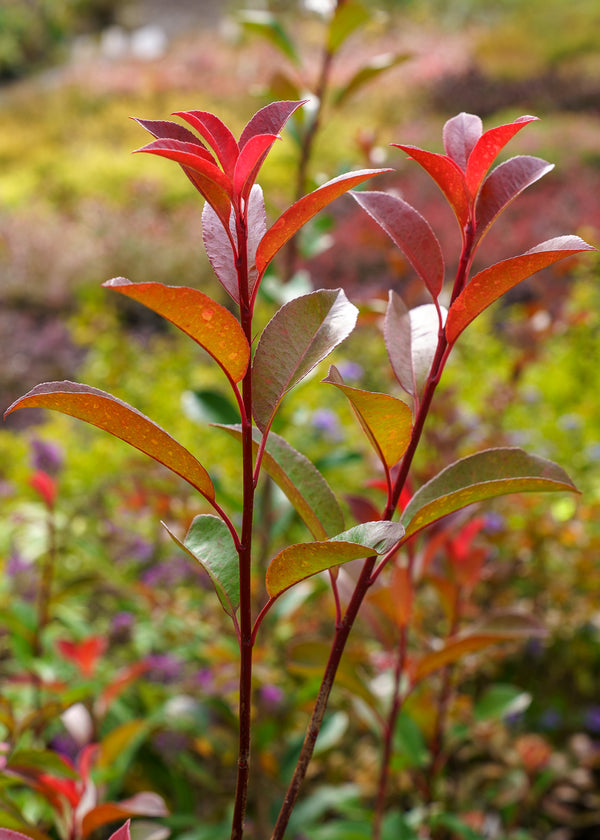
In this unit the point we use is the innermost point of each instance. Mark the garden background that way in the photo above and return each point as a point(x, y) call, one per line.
point(107, 634)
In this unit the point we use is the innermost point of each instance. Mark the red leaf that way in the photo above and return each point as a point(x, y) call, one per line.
point(216, 134)
point(84, 654)
point(503, 184)
point(410, 232)
point(192, 156)
point(122, 833)
point(197, 163)
point(121, 420)
point(460, 135)
point(491, 283)
point(448, 176)
point(249, 162)
point(45, 486)
point(487, 148)
point(208, 323)
point(304, 209)
point(269, 120)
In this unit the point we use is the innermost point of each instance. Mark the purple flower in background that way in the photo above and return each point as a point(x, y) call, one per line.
point(592, 719)
point(326, 422)
point(204, 679)
point(46, 456)
point(271, 695)
point(164, 668)
point(350, 371)
point(550, 719)
point(16, 564)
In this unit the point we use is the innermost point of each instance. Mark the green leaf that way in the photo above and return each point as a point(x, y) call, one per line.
point(266, 25)
point(347, 18)
point(209, 324)
point(491, 473)
point(123, 421)
point(300, 335)
point(491, 283)
point(373, 68)
point(500, 628)
point(301, 482)
point(298, 562)
point(386, 421)
point(304, 209)
point(210, 543)
point(43, 761)
point(207, 405)
point(501, 700)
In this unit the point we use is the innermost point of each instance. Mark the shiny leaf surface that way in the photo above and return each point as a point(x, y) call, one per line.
point(493, 472)
point(298, 562)
point(123, 421)
point(410, 232)
point(300, 335)
point(491, 283)
point(386, 421)
point(211, 545)
point(212, 326)
point(304, 209)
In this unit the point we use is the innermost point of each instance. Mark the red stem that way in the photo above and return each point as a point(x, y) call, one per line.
point(244, 551)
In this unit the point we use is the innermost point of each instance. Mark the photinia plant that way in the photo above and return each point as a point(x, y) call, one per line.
point(299, 336)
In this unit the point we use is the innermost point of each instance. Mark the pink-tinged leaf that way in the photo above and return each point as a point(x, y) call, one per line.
point(487, 149)
point(503, 184)
point(219, 246)
point(208, 323)
point(269, 120)
point(8, 834)
point(501, 628)
point(168, 130)
point(304, 209)
point(460, 135)
point(143, 804)
point(298, 562)
point(217, 135)
point(491, 283)
point(209, 542)
point(123, 421)
point(249, 162)
point(410, 232)
point(425, 324)
point(299, 336)
point(386, 421)
point(397, 337)
point(449, 178)
point(301, 482)
point(122, 833)
point(485, 475)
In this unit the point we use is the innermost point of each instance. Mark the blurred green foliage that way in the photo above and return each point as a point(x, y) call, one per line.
point(32, 32)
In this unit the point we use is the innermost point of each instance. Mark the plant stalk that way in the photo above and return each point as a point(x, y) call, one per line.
point(245, 552)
